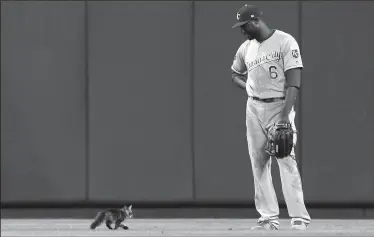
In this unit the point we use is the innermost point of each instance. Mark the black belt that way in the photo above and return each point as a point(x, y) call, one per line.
point(267, 100)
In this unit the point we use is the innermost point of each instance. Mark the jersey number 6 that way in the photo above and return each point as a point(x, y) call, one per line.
point(273, 72)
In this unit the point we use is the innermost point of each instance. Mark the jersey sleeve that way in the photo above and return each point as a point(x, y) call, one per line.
point(291, 54)
point(238, 64)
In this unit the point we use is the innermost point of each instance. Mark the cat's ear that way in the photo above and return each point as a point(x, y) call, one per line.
point(130, 207)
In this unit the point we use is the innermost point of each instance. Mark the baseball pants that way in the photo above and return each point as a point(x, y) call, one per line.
point(260, 116)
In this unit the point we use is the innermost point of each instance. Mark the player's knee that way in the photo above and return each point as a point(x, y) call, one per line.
point(289, 163)
point(259, 160)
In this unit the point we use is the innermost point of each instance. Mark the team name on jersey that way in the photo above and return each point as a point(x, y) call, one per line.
point(272, 56)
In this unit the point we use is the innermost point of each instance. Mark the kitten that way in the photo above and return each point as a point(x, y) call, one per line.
point(116, 216)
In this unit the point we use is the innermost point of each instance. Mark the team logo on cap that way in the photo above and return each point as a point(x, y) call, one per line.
point(295, 53)
point(238, 16)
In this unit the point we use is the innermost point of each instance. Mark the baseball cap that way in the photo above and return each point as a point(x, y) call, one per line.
point(245, 14)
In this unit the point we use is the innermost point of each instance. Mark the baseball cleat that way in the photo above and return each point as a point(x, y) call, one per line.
point(266, 225)
point(299, 225)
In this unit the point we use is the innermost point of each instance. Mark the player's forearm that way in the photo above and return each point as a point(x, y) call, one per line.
point(238, 80)
point(291, 94)
point(293, 78)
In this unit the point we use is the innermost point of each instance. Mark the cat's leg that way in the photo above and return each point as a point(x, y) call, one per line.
point(125, 227)
point(120, 224)
point(108, 224)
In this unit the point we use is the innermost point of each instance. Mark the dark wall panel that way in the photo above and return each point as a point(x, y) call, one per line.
point(223, 171)
point(42, 101)
point(338, 96)
point(140, 101)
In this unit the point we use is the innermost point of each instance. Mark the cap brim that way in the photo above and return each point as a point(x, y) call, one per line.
point(239, 24)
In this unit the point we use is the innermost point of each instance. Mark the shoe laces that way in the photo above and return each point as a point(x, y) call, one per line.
point(297, 222)
point(265, 222)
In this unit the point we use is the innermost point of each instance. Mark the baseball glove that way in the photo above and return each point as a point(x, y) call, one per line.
point(280, 140)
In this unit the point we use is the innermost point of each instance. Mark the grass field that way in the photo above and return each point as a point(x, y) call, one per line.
point(181, 227)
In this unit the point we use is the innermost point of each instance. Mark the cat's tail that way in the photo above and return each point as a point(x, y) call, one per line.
point(98, 220)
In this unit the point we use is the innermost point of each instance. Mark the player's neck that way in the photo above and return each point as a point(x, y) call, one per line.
point(265, 34)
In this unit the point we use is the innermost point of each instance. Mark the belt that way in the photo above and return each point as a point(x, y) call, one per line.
point(267, 100)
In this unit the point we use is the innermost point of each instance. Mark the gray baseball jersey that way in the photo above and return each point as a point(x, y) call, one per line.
point(266, 63)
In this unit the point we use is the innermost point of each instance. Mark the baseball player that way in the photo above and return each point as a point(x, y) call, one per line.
point(268, 66)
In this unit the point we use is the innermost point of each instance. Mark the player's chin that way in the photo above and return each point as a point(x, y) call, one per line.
point(248, 36)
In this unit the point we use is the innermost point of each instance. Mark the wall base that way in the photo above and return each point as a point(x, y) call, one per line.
point(88, 213)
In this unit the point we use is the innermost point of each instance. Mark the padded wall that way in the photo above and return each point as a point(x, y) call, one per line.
point(140, 101)
point(338, 111)
point(42, 101)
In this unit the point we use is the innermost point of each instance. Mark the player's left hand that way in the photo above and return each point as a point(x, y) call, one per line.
point(284, 119)
point(279, 142)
